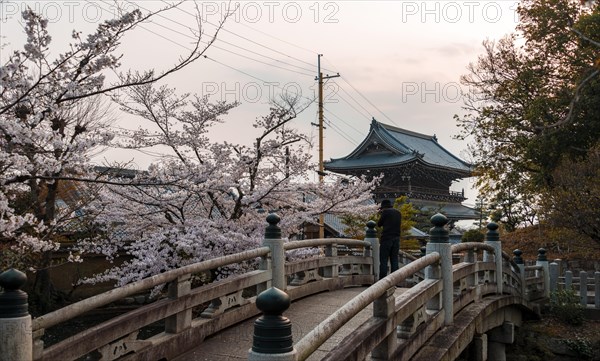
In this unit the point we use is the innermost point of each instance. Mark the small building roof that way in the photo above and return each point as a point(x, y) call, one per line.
point(454, 211)
point(387, 146)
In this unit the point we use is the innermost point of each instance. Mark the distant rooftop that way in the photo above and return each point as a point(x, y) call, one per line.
point(388, 146)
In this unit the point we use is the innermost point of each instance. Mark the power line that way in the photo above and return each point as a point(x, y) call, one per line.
point(247, 39)
point(219, 62)
point(259, 61)
point(276, 38)
point(343, 121)
point(234, 45)
point(254, 77)
point(340, 131)
point(368, 101)
point(352, 106)
point(365, 98)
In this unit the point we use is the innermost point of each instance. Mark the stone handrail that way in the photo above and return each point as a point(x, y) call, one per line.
point(466, 246)
point(103, 299)
point(317, 242)
point(309, 343)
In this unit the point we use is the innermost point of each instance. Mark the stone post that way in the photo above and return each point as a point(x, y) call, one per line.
point(519, 261)
point(559, 262)
point(597, 290)
point(554, 272)
point(331, 271)
point(371, 237)
point(543, 261)
point(16, 342)
point(492, 237)
point(272, 339)
point(183, 320)
point(440, 242)
point(569, 280)
point(384, 307)
point(276, 259)
point(472, 279)
point(583, 292)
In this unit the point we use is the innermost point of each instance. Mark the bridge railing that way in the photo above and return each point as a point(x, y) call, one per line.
point(119, 336)
point(536, 278)
point(586, 285)
point(429, 305)
point(313, 275)
point(401, 325)
point(189, 314)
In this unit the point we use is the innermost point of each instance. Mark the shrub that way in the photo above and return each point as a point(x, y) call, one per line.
point(582, 346)
point(564, 305)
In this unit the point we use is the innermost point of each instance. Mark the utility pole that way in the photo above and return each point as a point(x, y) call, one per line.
point(480, 213)
point(321, 172)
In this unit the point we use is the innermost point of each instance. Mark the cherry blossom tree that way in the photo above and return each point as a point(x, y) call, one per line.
point(211, 198)
point(51, 122)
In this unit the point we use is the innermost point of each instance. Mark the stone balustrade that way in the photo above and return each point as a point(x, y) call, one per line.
point(452, 278)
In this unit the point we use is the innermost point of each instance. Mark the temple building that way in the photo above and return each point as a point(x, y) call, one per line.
point(413, 165)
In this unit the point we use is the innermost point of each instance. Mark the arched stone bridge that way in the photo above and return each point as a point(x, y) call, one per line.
point(465, 299)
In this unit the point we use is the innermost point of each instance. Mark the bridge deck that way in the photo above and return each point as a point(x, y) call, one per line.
point(305, 314)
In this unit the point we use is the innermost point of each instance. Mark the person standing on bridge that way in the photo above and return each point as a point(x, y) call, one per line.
point(389, 245)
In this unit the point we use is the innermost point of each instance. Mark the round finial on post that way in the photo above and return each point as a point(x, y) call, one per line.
point(273, 231)
point(439, 234)
point(13, 301)
point(273, 301)
point(12, 279)
point(542, 255)
point(492, 234)
point(371, 231)
point(517, 258)
point(272, 331)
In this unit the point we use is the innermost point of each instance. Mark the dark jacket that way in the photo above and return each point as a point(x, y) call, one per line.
point(390, 220)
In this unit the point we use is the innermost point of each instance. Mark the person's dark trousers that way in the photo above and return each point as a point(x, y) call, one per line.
point(388, 251)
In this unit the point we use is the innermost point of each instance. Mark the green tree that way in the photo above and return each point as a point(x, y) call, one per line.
point(574, 202)
point(408, 214)
point(534, 99)
point(473, 235)
point(423, 216)
point(356, 225)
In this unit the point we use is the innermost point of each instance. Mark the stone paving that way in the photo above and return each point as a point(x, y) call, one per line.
point(233, 343)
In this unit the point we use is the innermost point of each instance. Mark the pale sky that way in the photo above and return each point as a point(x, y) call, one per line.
point(399, 61)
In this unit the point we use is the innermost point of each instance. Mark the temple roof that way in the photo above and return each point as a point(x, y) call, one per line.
point(386, 146)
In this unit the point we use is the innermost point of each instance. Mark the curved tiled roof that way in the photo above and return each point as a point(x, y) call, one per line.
point(397, 146)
